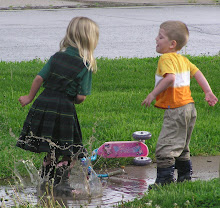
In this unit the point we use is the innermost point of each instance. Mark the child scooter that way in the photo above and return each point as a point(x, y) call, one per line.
point(142, 136)
point(119, 149)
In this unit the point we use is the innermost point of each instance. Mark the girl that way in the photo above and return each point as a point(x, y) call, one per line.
point(51, 125)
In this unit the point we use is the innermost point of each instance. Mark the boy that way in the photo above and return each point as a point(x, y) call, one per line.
point(172, 93)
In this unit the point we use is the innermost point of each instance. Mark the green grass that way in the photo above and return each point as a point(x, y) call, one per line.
point(113, 111)
point(198, 194)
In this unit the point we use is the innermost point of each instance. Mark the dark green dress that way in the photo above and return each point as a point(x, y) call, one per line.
point(52, 122)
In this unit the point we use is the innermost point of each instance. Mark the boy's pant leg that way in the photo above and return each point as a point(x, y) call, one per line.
point(192, 115)
point(174, 138)
point(184, 166)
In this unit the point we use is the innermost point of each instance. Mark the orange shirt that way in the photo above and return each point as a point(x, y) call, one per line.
point(179, 93)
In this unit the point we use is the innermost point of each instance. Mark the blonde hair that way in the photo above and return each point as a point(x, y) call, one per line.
point(82, 33)
point(176, 30)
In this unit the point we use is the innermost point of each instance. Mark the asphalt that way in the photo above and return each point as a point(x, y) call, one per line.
point(58, 4)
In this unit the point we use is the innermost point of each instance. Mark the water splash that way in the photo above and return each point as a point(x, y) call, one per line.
point(83, 184)
point(32, 171)
point(67, 180)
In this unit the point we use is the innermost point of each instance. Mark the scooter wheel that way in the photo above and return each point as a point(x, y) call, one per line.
point(141, 161)
point(141, 135)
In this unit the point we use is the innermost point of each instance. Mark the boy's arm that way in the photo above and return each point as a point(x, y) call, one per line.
point(166, 82)
point(209, 96)
point(24, 100)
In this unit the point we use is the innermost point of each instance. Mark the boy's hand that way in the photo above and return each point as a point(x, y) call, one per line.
point(166, 82)
point(24, 100)
point(148, 100)
point(211, 98)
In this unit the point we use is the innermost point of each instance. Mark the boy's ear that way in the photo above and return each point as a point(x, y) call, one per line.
point(173, 44)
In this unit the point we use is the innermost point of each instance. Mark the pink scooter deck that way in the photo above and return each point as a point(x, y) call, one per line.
point(123, 149)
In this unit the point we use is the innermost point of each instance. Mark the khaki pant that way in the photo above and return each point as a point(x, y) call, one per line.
point(174, 138)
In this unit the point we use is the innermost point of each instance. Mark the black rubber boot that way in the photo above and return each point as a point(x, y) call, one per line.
point(184, 170)
point(61, 181)
point(61, 172)
point(164, 176)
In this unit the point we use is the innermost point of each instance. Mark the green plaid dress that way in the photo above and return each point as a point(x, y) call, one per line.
point(52, 122)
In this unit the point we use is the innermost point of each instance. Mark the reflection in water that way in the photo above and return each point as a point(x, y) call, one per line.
point(90, 192)
point(115, 190)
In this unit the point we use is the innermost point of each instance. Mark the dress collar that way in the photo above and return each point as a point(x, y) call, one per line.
point(72, 51)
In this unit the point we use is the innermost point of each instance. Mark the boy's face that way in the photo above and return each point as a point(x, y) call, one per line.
point(164, 45)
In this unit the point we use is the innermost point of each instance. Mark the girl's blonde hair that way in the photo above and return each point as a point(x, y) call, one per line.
point(176, 30)
point(82, 33)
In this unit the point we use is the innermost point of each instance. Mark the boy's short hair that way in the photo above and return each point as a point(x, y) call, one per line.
point(176, 30)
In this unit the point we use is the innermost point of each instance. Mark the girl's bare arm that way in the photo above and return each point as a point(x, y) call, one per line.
point(24, 100)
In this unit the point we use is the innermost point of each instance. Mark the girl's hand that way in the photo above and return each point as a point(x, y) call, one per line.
point(79, 99)
point(24, 100)
point(211, 98)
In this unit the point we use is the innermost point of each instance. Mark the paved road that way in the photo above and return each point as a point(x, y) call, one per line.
point(124, 32)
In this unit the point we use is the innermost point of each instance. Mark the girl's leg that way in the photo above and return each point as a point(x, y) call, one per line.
point(48, 167)
point(61, 182)
point(63, 170)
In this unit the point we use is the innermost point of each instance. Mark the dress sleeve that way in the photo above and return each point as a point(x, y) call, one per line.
point(45, 71)
point(85, 84)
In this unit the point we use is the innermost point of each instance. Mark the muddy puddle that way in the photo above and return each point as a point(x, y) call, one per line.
point(114, 191)
point(131, 184)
